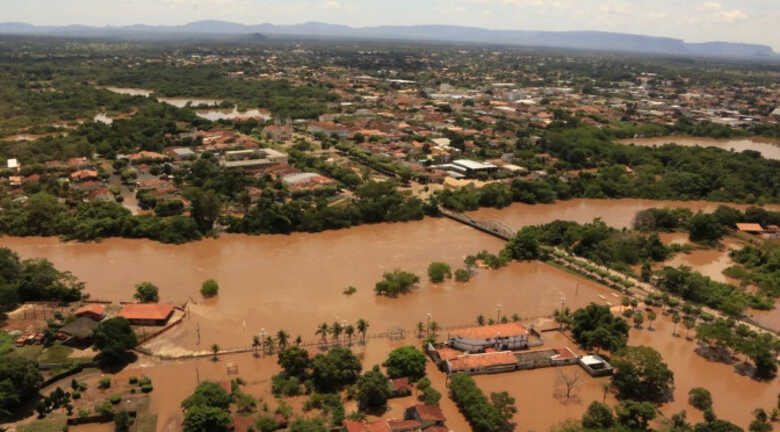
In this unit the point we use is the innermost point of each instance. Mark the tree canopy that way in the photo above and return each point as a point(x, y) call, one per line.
point(594, 326)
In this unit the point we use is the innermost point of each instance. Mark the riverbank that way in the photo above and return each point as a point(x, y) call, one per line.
point(768, 147)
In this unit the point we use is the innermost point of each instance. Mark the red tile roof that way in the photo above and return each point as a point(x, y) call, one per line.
point(437, 429)
point(397, 425)
point(146, 311)
point(378, 426)
point(489, 332)
point(400, 384)
point(478, 361)
point(429, 413)
point(97, 309)
point(447, 353)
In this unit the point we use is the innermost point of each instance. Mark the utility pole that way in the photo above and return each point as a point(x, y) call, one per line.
point(197, 330)
point(498, 313)
point(428, 326)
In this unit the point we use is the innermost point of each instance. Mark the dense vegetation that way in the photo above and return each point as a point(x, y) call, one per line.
point(33, 280)
point(482, 414)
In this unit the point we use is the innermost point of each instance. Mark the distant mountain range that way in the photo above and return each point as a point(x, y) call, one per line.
point(591, 40)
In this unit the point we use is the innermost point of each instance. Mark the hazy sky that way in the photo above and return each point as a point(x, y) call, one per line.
point(756, 21)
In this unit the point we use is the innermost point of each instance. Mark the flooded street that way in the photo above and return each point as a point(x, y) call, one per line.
point(769, 149)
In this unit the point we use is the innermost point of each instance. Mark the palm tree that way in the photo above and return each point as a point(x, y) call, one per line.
point(481, 319)
point(515, 317)
point(675, 320)
point(298, 340)
point(281, 339)
point(255, 343)
point(420, 329)
point(434, 326)
point(268, 344)
point(362, 327)
point(322, 330)
point(215, 350)
point(349, 331)
point(336, 330)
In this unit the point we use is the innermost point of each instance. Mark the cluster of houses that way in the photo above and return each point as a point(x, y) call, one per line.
point(138, 314)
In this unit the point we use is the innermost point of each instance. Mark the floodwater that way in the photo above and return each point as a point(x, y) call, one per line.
point(734, 396)
point(618, 213)
point(235, 114)
point(709, 262)
point(181, 102)
point(295, 282)
point(130, 91)
point(769, 149)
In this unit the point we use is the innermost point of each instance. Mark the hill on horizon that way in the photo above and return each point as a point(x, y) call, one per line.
point(591, 40)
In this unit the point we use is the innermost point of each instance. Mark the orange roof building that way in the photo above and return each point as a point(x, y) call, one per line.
point(482, 363)
point(94, 311)
point(501, 337)
point(750, 227)
point(147, 313)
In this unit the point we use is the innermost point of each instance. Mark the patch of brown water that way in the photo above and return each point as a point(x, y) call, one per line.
point(618, 213)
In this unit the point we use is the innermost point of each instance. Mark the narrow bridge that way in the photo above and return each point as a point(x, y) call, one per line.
point(494, 228)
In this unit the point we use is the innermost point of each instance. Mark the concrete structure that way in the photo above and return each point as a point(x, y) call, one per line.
point(184, 153)
point(500, 337)
point(253, 158)
point(595, 365)
point(13, 164)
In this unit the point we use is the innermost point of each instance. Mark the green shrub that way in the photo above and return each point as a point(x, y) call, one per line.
point(76, 394)
point(104, 383)
point(147, 388)
point(210, 288)
point(145, 380)
point(462, 275)
point(133, 380)
point(115, 399)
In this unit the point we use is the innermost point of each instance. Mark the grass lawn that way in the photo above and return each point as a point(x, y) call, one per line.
point(6, 342)
point(53, 423)
point(30, 352)
point(56, 353)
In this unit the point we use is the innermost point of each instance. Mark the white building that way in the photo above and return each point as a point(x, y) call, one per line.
point(501, 337)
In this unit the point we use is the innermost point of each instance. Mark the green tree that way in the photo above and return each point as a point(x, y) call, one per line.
point(431, 396)
point(294, 361)
point(206, 207)
point(208, 393)
point(635, 415)
point(281, 339)
point(598, 416)
point(334, 370)
point(505, 404)
point(362, 328)
point(438, 271)
point(705, 228)
point(405, 361)
point(524, 245)
point(215, 351)
point(595, 327)
point(641, 375)
point(700, 398)
point(204, 418)
point(396, 282)
point(146, 292)
point(373, 390)
point(310, 425)
point(651, 316)
point(19, 382)
point(113, 338)
point(462, 275)
point(210, 288)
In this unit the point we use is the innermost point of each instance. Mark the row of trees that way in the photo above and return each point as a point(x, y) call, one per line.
point(336, 329)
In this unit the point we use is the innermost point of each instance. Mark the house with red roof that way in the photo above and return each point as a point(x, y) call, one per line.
point(427, 415)
point(147, 314)
point(95, 311)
